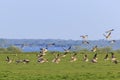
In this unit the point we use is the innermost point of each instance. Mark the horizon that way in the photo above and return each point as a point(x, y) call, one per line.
point(56, 39)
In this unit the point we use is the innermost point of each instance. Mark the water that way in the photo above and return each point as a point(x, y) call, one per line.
point(37, 49)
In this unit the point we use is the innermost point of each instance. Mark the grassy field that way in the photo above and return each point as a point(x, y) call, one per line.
point(65, 70)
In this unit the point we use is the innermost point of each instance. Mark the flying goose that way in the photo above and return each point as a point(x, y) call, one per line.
point(85, 42)
point(109, 31)
point(112, 41)
point(66, 51)
point(107, 36)
point(84, 37)
point(51, 44)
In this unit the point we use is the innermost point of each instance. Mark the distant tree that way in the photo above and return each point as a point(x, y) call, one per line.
point(3, 49)
point(80, 49)
point(14, 49)
point(118, 50)
point(104, 50)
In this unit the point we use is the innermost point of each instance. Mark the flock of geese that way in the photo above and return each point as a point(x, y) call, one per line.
point(57, 57)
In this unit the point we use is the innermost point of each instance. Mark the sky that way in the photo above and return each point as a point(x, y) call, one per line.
point(59, 19)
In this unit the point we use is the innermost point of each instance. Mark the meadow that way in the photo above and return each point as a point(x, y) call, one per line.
point(65, 70)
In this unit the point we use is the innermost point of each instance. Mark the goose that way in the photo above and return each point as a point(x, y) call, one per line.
point(106, 57)
point(51, 44)
point(66, 51)
point(94, 60)
point(26, 60)
point(113, 58)
point(84, 37)
point(112, 41)
point(85, 58)
point(94, 49)
point(73, 57)
point(8, 59)
point(109, 31)
point(115, 61)
point(85, 42)
point(107, 36)
point(56, 59)
point(41, 59)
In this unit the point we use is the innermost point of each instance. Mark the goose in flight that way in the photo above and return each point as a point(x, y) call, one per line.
point(109, 31)
point(85, 42)
point(112, 41)
point(51, 44)
point(84, 37)
point(107, 36)
point(66, 51)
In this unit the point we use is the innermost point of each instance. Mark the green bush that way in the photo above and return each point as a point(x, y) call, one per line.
point(14, 49)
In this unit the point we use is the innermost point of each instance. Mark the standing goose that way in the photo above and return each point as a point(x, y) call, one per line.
point(94, 49)
point(85, 58)
point(26, 60)
point(51, 44)
point(94, 60)
point(73, 57)
point(43, 51)
point(113, 58)
point(8, 59)
point(56, 59)
point(106, 57)
point(41, 59)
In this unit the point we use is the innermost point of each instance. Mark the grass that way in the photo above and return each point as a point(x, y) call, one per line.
point(65, 70)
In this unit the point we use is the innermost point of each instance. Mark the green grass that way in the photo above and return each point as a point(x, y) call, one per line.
point(65, 70)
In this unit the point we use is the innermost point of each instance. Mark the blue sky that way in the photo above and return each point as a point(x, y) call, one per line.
point(59, 19)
